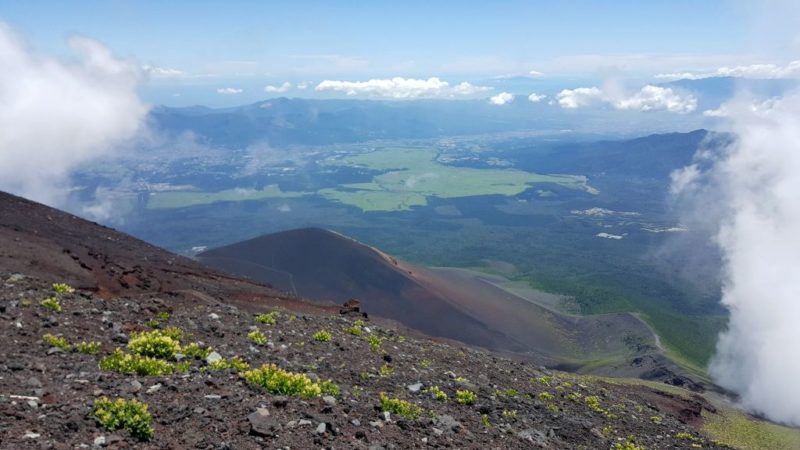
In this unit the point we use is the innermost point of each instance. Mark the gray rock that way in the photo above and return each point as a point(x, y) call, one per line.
point(303, 422)
point(153, 388)
point(213, 316)
point(262, 424)
point(55, 350)
point(535, 436)
point(447, 422)
point(415, 387)
point(213, 356)
point(356, 422)
point(135, 386)
point(213, 397)
point(100, 441)
point(321, 428)
point(329, 400)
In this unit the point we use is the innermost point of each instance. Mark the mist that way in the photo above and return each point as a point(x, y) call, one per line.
point(748, 192)
point(58, 114)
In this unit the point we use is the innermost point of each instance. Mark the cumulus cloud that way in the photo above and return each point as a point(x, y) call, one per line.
point(536, 98)
point(502, 98)
point(758, 71)
point(576, 98)
point(748, 191)
point(279, 89)
point(400, 88)
point(648, 98)
point(56, 115)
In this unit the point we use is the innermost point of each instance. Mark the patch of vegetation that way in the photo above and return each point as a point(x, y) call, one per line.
point(130, 364)
point(658, 420)
point(270, 318)
point(506, 393)
point(322, 336)
point(195, 350)
point(155, 344)
point(281, 382)
point(375, 342)
point(400, 407)
point(424, 364)
point(437, 393)
point(485, 421)
point(63, 288)
point(130, 415)
point(89, 348)
point(357, 329)
point(465, 397)
point(510, 413)
point(236, 363)
point(328, 387)
point(153, 323)
point(56, 341)
point(257, 336)
point(52, 304)
point(163, 315)
point(181, 199)
point(546, 396)
point(385, 371)
point(629, 444)
point(732, 427)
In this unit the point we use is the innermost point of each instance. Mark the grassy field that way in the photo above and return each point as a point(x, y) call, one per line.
point(413, 175)
point(180, 199)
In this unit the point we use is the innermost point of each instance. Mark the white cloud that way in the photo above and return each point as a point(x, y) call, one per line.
point(163, 72)
point(748, 192)
point(648, 98)
point(655, 98)
point(535, 74)
point(55, 116)
point(229, 91)
point(278, 89)
point(400, 88)
point(536, 98)
point(303, 85)
point(502, 98)
point(576, 98)
point(760, 71)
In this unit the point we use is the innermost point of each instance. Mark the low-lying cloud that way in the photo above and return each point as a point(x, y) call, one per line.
point(748, 192)
point(756, 71)
point(278, 89)
point(56, 115)
point(229, 91)
point(649, 98)
point(401, 88)
point(502, 98)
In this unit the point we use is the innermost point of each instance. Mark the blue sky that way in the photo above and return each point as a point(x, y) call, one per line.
point(199, 47)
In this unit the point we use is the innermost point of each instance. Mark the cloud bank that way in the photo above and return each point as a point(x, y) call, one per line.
point(401, 88)
point(56, 115)
point(648, 98)
point(748, 190)
point(757, 71)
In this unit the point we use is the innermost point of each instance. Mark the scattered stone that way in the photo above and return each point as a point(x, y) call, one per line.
point(55, 351)
point(356, 422)
point(303, 422)
point(213, 316)
point(387, 416)
point(329, 400)
point(321, 428)
point(262, 424)
point(31, 435)
point(447, 422)
point(153, 388)
point(415, 387)
point(212, 357)
point(100, 441)
point(135, 386)
point(212, 397)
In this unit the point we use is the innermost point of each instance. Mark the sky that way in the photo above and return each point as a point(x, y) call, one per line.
point(230, 52)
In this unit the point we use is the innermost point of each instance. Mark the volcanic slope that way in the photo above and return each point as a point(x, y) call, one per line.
point(329, 267)
point(66, 348)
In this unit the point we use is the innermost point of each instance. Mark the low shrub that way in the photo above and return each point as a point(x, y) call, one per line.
point(270, 318)
point(195, 350)
point(281, 382)
point(130, 415)
point(257, 337)
point(126, 363)
point(63, 288)
point(55, 341)
point(375, 342)
point(322, 336)
point(437, 393)
point(236, 363)
point(400, 407)
point(465, 397)
point(385, 371)
point(89, 348)
point(546, 396)
point(52, 304)
point(156, 344)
